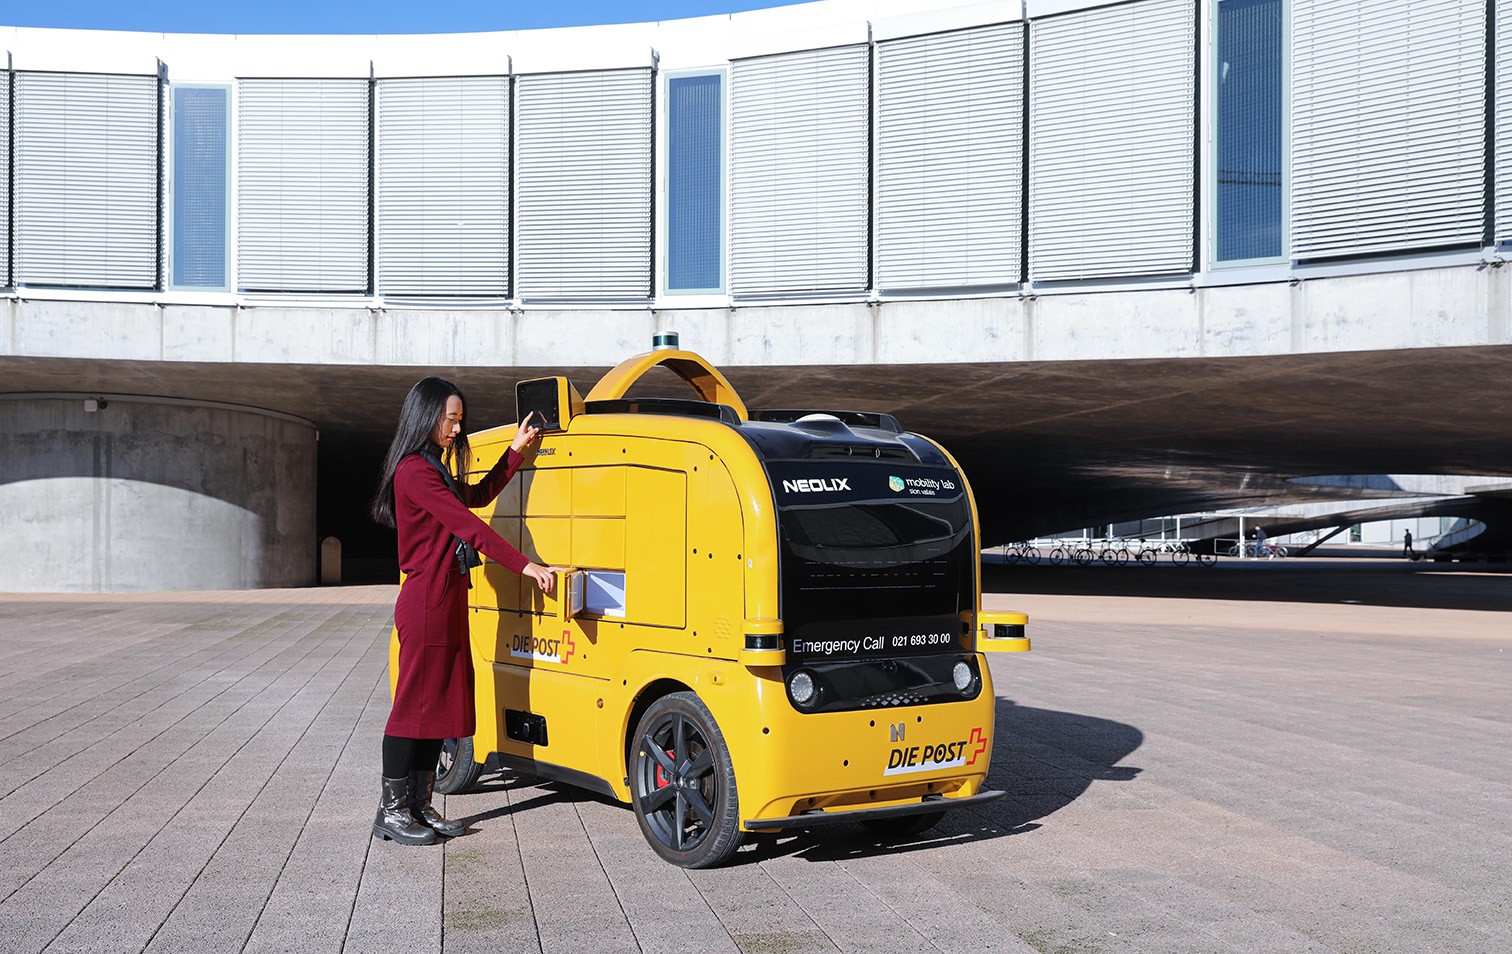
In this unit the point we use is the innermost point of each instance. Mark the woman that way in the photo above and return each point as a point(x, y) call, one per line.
point(420, 496)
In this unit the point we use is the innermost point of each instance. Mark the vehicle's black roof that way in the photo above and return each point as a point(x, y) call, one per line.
point(833, 439)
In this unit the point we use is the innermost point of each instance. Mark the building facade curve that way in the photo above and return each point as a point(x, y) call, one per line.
point(887, 182)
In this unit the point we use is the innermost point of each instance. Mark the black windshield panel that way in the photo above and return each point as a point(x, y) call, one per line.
point(873, 556)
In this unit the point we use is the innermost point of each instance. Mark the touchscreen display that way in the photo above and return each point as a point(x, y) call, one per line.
point(540, 396)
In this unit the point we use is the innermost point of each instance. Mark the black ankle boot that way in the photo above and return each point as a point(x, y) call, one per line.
point(421, 784)
point(394, 821)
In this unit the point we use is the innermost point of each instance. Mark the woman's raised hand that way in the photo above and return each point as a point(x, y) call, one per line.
point(525, 434)
point(543, 576)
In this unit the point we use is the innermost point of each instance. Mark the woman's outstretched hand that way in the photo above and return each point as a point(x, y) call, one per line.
point(543, 576)
point(525, 435)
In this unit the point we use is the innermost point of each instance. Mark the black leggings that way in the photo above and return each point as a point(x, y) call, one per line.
point(402, 756)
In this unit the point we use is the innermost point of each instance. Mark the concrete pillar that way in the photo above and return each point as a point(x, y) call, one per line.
point(110, 493)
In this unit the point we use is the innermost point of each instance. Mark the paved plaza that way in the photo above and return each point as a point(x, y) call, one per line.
point(1307, 758)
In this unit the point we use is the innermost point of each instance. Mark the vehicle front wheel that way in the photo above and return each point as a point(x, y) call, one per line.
point(456, 772)
point(682, 784)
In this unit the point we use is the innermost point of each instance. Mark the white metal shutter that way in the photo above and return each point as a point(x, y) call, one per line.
point(798, 173)
point(302, 185)
point(5, 177)
point(583, 174)
point(1388, 125)
point(950, 151)
point(86, 179)
point(1111, 141)
point(1503, 100)
point(443, 177)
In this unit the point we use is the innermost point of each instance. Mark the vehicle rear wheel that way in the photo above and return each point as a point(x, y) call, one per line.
point(904, 826)
point(456, 772)
point(682, 784)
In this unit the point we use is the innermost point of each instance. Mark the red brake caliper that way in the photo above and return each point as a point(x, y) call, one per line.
point(661, 779)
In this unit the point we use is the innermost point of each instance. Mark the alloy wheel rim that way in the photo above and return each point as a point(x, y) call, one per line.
point(678, 783)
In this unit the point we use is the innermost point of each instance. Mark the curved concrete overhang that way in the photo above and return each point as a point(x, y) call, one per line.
point(115, 492)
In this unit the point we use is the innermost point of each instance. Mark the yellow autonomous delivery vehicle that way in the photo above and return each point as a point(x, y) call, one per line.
point(771, 620)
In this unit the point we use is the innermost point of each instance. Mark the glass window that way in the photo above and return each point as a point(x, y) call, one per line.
point(1250, 166)
point(695, 183)
point(200, 131)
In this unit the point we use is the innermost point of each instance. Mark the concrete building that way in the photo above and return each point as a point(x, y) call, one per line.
point(1124, 258)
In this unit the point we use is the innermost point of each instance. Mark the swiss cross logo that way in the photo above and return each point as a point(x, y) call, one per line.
point(979, 740)
point(572, 646)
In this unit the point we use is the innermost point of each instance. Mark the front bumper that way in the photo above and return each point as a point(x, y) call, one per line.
point(819, 817)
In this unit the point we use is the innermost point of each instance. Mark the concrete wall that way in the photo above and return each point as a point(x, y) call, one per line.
point(1422, 308)
point(147, 494)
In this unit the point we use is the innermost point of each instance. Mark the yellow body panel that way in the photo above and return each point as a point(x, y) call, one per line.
point(683, 508)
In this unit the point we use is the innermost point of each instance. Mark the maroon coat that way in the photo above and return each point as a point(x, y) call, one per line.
point(433, 698)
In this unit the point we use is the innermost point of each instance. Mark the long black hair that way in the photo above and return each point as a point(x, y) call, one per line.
point(423, 409)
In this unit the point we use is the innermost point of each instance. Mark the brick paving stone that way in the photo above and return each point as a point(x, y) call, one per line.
point(189, 772)
point(488, 906)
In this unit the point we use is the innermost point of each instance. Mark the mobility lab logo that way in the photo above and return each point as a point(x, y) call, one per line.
point(921, 486)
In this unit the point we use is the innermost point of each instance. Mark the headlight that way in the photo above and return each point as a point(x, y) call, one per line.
point(963, 676)
point(802, 689)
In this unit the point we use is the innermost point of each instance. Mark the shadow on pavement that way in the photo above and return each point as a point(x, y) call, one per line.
point(1042, 758)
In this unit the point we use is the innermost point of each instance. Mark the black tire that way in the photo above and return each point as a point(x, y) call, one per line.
point(1147, 557)
point(1058, 556)
point(1207, 559)
point(456, 772)
point(1109, 557)
point(682, 784)
point(1084, 557)
point(1031, 556)
point(904, 826)
point(1180, 557)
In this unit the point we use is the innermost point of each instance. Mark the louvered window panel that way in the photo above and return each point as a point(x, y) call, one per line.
point(950, 158)
point(583, 176)
point(200, 197)
point(5, 177)
point(799, 174)
point(86, 180)
point(302, 185)
point(1388, 125)
point(443, 175)
point(1111, 152)
point(1503, 101)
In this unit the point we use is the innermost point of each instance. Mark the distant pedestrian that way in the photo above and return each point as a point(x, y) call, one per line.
point(1407, 544)
point(1259, 541)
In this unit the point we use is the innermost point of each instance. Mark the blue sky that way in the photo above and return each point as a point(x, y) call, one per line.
point(352, 16)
